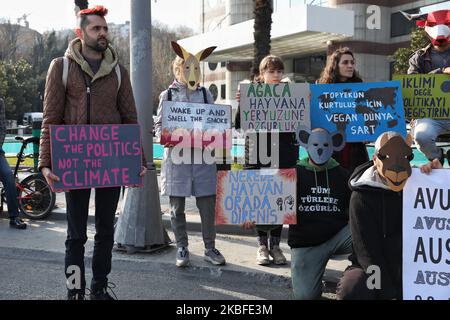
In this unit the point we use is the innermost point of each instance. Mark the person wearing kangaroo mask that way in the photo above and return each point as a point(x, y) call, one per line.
point(375, 213)
point(181, 179)
point(322, 215)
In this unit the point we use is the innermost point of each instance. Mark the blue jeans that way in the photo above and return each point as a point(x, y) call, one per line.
point(425, 133)
point(10, 186)
point(308, 264)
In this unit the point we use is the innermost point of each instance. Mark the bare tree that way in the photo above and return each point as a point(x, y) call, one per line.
point(9, 34)
point(263, 24)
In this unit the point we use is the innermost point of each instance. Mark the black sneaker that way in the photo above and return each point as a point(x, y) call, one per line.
point(17, 223)
point(103, 294)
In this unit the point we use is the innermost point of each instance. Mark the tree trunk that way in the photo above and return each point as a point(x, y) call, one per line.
point(263, 22)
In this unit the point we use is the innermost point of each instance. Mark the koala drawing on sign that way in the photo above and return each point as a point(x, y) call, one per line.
point(320, 143)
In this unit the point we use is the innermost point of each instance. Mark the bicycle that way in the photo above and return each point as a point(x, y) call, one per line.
point(35, 198)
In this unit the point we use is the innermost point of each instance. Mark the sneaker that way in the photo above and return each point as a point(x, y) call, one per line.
point(103, 294)
point(262, 256)
point(277, 255)
point(182, 257)
point(214, 256)
point(17, 223)
point(74, 295)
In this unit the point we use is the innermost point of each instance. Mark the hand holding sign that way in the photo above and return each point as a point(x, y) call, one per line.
point(50, 177)
point(427, 168)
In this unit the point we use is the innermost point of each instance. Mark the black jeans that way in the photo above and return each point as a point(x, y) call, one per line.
point(106, 200)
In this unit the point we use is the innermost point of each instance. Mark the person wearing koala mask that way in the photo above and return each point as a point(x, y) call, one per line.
point(375, 215)
point(322, 214)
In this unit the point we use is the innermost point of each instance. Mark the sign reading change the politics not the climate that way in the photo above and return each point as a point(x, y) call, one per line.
point(426, 236)
point(274, 107)
point(196, 124)
point(361, 110)
point(91, 156)
point(265, 196)
point(426, 95)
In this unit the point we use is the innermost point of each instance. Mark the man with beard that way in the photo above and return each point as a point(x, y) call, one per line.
point(433, 59)
point(87, 86)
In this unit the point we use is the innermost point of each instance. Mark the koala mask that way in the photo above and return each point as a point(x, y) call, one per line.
point(191, 68)
point(392, 159)
point(320, 144)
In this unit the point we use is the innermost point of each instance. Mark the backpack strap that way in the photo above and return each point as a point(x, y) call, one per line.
point(169, 94)
point(205, 98)
point(119, 76)
point(65, 73)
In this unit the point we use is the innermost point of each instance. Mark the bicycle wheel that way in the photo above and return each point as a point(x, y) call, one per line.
point(36, 199)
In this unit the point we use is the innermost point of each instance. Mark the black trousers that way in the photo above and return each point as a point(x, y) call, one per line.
point(106, 200)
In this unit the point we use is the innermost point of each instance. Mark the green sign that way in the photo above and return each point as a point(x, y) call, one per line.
point(425, 95)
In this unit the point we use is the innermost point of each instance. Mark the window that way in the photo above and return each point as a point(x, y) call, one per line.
point(223, 64)
point(223, 91)
point(212, 66)
point(312, 65)
point(213, 89)
point(400, 26)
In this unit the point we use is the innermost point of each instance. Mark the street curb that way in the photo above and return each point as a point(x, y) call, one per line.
point(59, 214)
point(213, 271)
point(195, 226)
point(143, 263)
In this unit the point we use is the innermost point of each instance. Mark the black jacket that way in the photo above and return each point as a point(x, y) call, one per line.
point(322, 204)
point(376, 226)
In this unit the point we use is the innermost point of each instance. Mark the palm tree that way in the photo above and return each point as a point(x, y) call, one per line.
point(263, 22)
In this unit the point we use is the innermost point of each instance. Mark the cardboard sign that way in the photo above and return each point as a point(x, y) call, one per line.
point(265, 196)
point(426, 95)
point(281, 107)
point(92, 156)
point(361, 110)
point(196, 124)
point(426, 236)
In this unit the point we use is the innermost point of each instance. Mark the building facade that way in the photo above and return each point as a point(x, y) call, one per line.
point(303, 33)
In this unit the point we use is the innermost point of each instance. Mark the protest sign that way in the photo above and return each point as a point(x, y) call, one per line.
point(425, 95)
point(196, 124)
point(92, 156)
point(362, 111)
point(281, 107)
point(426, 236)
point(265, 196)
